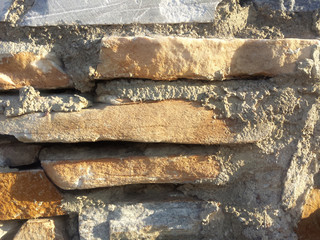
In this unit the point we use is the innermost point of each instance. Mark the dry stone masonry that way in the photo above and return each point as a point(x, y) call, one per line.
point(159, 119)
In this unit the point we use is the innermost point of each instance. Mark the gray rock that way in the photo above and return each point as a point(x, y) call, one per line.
point(18, 154)
point(151, 220)
point(4, 7)
point(290, 5)
point(83, 12)
point(9, 228)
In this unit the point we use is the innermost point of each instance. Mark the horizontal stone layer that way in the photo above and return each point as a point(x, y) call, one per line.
point(170, 58)
point(152, 165)
point(167, 121)
point(82, 12)
point(29, 69)
point(28, 194)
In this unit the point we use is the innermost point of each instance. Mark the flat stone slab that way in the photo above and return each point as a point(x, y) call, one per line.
point(28, 194)
point(4, 7)
point(149, 220)
point(167, 121)
point(290, 5)
point(19, 67)
point(158, 164)
point(83, 12)
point(39, 229)
point(171, 58)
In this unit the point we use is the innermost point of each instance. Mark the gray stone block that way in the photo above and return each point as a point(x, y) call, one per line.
point(150, 220)
point(4, 7)
point(83, 12)
point(290, 5)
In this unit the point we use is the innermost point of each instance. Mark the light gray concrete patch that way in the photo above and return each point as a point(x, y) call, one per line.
point(84, 12)
point(167, 220)
point(4, 7)
point(290, 5)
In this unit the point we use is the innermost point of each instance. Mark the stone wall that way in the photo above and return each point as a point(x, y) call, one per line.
point(159, 119)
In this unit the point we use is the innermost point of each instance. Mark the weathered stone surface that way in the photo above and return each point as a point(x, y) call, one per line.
point(170, 58)
point(51, 12)
point(151, 220)
point(18, 154)
point(309, 226)
point(40, 229)
point(168, 121)
point(151, 165)
point(290, 5)
point(9, 228)
point(4, 7)
point(29, 101)
point(28, 194)
point(18, 69)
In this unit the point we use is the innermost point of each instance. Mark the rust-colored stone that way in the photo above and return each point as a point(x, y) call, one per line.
point(28, 194)
point(170, 58)
point(309, 226)
point(28, 69)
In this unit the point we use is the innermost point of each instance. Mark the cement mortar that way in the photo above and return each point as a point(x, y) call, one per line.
point(30, 101)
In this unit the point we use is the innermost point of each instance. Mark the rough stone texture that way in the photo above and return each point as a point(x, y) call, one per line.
point(28, 194)
point(170, 58)
point(309, 226)
point(4, 7)
point(30, 101)
point(157, 164)
point(40, 229)
point(168, 121)
point(50, 12)
point(290, 5)
point(24, 68)
point(150, 220)
point(9, 228)
point(18, 154)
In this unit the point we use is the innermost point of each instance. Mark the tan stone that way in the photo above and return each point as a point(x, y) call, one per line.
point(130, 166)
point(170, 58)
point(167, 121)
point(40, 229)
point(28, 69)
point(309, 226)
point(28, 194)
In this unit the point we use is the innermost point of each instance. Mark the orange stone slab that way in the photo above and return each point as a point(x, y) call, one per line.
point(167, 121)
point(309, 226)
point(28, 69)
point(28, 194)
point(170, 58)
point(103, 169)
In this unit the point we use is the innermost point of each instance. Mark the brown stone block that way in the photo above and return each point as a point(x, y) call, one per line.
point(28, 194)
point(28, 69)
point(167, 121)
point(170, 58)
point(86, 172)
